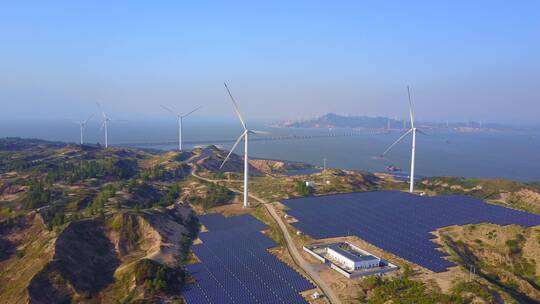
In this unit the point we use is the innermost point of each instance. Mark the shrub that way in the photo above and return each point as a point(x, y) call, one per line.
point(38, 195)
point(303, 189)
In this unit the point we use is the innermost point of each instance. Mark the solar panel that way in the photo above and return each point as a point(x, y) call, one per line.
point(398, 222)
point(236, 266)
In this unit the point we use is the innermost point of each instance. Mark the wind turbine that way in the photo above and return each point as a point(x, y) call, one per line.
point(105, 125)
point(244, 135)
point(179, 117)
point(412, 130)
point(82, 126)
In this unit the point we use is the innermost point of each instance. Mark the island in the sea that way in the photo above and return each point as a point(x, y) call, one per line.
point(337, 121)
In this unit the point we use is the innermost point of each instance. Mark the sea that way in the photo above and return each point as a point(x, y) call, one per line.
point(508, 155)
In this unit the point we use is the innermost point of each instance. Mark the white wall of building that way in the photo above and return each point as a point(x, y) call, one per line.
point(350, 263)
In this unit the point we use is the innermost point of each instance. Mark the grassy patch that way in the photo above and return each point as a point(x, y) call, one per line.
point(274, 232)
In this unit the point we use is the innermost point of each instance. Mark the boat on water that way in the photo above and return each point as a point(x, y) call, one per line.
point(392, 168)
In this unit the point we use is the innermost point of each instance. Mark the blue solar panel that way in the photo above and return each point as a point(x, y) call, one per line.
point(236, 266)
point(398, 222)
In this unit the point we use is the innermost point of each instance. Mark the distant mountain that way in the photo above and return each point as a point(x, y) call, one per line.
point(332, 120)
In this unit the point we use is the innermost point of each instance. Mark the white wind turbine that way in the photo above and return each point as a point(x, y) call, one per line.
point(179, 117)
point(105, 125)
point(244, 135)
point(412, 130)
point(82, 126)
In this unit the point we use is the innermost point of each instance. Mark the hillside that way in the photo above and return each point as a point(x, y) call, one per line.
point(87, 224)
point(511, 194)
point(94, 225)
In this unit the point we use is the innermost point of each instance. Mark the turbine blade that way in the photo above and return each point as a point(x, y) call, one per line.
point(102, 125)
point(259, 132)
point(395, 143)
point(410, 107)
point(167, 109)
point(191, 111)
point(232, 149)
point(101, 109)
point(421, 132)
point(236, 107)
point(89, 117)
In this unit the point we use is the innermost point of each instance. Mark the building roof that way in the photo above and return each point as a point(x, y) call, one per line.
point(353, 256)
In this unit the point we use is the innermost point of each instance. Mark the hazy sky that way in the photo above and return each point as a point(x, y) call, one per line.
point(464, 59)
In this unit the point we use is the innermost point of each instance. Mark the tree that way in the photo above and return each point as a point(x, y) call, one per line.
point(303, 189)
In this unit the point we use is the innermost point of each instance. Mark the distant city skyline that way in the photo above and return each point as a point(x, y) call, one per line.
point(464, 60)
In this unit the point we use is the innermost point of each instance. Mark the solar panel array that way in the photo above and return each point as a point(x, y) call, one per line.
point(236, 266)
point(398, 222)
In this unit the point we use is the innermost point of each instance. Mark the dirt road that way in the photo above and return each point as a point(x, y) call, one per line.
point(295, 254)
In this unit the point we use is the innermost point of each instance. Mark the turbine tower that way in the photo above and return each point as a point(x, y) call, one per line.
point(244, 135)
point(412, 130)
point(179, 117)
point(105, 125)
point(82, 126)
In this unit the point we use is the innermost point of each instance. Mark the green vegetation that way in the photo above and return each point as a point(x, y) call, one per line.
point(216, 195)
point(171, 196)
point(143, 195)
point(155, 173)
point(38, 194)
point(406, 290)
point(159, 173)
point(274, 232)
point(127, 226)
point(502, 264)
point(480, 188)
point(473, 288)
point(6, 212)
point(102, 168)
point(158, 278)
point(98, 204)
point(193, 227)
point(23, 165)
point(514, 246)
point(303, 189)
point(54, 216)
point(516, 195)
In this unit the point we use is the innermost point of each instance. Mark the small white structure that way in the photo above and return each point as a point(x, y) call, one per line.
point(316, 296)
point(310, 184)
point(351, 259)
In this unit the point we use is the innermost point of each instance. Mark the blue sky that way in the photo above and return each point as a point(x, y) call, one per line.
point(474, 60)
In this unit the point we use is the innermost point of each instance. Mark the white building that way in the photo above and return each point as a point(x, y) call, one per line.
point(310, 184)
point(351, 259)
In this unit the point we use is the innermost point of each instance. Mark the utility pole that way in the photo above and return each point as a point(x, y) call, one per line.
point(472, 272)
point(324, 171)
